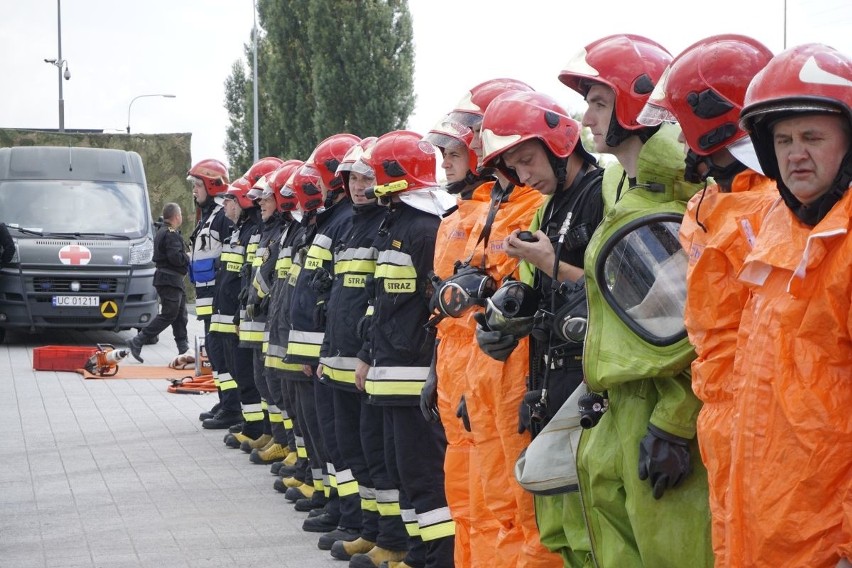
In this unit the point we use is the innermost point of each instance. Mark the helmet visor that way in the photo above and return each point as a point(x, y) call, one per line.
point(654, 115)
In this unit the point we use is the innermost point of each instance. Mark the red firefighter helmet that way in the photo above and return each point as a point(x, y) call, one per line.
point(353, 157)
point(516, 117)
point(327, 156)
point(262, 167)
point(212, 173)
point(703, 90)
point(629, 64)
point(239, 191)
point(447, 133)
point(470, 109)
point(304, 184)
point(277, 180)
point(810, 78)
point(402, 156)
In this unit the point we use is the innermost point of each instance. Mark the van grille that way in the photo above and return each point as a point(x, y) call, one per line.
point(87, 285)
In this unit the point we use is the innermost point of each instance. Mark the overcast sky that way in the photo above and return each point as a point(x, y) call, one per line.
point(118, 49)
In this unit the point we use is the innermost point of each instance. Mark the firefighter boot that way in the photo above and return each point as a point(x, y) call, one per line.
point(375, 557)
point(302, 491)
point(343, 550)
point(324, 523)
point(135, 345)
point(258, 444)
point(222, 420)
point(340, 534)
point(275, 452)
point(210, 413)
point(235, 440)
point(282, 484)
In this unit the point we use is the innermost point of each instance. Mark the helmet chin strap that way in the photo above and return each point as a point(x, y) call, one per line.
point(616, 134)
point(721, 174)
point(559, 166)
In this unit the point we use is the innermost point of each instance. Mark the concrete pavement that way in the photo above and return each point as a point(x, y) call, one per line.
point(119, 474)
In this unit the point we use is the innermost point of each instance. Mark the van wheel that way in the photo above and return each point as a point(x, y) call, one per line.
point(2, 334)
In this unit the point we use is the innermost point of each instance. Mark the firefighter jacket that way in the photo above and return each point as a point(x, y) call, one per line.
point(299, 252)
point(206, 246)
point(226, 303)
point(354, 266)
point(169, 257)
point(278, 323)
point(791, 468)
point(253, 325)
point(398, 346)
point(718, 231)
point(312, 286)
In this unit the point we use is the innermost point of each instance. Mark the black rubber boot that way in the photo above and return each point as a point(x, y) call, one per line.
point(222, 420)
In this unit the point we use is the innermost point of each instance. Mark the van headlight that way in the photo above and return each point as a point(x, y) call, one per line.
point(142, 253)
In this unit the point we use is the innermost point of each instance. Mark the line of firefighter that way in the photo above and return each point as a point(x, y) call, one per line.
point(344, 307)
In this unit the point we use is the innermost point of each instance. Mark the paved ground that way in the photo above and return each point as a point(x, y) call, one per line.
point(119, 473)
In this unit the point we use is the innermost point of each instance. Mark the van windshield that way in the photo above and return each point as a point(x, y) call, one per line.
point(50, 206)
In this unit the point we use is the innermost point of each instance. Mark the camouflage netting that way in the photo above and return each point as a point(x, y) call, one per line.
point(166, 158)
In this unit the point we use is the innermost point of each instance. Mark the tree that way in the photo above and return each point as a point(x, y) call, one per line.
point(238, 138)
point(324, 66)
point(363, 67)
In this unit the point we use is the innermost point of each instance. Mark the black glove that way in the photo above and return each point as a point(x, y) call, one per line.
point(264, 305)
point(242, 297)
point(429, 398)
point(321, 281)
point(664, 458)
point(251, 311)
point(461, 412)
point(495, 344)
point(523, 417)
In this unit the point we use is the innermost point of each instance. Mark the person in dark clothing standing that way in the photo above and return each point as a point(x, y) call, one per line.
point(171, 261)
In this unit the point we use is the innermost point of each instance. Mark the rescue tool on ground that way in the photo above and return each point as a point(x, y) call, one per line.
point(104, 362)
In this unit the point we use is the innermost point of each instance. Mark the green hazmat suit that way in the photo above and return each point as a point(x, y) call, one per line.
point(637, 352)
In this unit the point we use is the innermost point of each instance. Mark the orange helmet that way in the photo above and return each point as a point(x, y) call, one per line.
point(703, 90)
point(275, 182)
point(807, 79)
point(239, 191)
point(470, 109)
point(327, 156)
point(402, 156)
point(212, 173)
point(304, 184)
point(514, 118)
point(447, 133)
point(630, 65)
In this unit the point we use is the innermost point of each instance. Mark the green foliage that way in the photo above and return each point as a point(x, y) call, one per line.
point(324, 66)
point(238, 137)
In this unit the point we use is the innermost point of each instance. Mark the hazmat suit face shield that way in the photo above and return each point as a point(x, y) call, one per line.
point(642, 271)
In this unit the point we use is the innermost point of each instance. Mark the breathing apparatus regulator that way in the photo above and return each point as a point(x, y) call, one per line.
point(469, 285)
point(104, 362)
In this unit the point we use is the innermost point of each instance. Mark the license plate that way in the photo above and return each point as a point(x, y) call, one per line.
point(76, 301)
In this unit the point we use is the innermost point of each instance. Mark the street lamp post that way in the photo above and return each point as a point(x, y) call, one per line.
point(139, 97)
point(60, 65)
